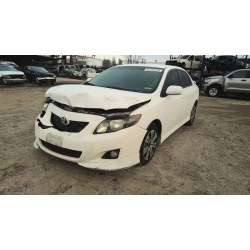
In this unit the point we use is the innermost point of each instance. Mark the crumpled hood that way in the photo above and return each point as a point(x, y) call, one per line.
point(85, 96)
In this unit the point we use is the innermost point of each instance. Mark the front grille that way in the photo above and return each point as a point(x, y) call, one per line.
point(17, 76)
point(62, 151)
point(73, 126)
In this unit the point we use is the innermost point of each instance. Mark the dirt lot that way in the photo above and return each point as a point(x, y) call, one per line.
point(211, 157)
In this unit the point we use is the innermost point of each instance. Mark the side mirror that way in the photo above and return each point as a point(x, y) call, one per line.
point(174, 90)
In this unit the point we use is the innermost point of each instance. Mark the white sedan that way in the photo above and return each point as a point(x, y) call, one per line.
point(117, 119)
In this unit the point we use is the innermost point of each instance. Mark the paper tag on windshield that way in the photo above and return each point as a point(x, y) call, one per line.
point(155, 70)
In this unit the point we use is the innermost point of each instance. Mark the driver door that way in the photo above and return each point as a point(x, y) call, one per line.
point(174, 105)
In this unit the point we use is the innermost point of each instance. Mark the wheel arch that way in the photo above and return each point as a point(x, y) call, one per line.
point(158, 124)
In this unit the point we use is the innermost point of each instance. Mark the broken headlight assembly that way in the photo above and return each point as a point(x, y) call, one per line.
point(46, 103)
point(108, 126)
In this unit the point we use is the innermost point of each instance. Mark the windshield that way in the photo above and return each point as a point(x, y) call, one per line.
point(129, 78)
point(182, 57)
point(7, 68)
point(39, 69)
point(84, 69)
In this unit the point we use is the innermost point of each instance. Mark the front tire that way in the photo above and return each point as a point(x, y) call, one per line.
point(213, 91)
point(34, 79)
point(183, 65)
point(149, 144)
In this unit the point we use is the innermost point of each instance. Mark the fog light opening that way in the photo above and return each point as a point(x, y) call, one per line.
point(112, 154)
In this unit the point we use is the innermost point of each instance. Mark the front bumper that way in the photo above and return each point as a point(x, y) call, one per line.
point(9, 80)
point(44, 79)
point(204, 87)
point(91, 146)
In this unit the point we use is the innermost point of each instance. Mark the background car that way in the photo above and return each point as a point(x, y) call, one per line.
point(235, 82)
point(38, 74)
point(61, 70)
point(186, 61)
point(226, 63)
point(9, 74)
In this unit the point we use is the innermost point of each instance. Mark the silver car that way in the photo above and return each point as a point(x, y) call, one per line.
point(236, 82)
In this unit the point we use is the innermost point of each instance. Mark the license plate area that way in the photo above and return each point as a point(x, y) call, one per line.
point(54, 139)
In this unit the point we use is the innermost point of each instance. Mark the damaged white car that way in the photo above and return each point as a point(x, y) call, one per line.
point(117, 119)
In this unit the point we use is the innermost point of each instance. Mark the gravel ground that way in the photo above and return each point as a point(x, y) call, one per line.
point(210, 157)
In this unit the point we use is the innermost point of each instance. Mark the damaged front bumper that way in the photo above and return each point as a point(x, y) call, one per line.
point(85, 148)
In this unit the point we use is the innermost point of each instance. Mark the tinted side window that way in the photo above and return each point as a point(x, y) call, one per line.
point(172, 78)
point(240, 74)
point(186, 82)
point(67, 67)
point(197, 58)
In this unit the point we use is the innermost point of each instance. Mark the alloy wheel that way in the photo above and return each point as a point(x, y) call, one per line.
point(213, 91)
point(150, 145)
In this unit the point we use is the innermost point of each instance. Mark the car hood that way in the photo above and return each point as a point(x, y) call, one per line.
point(11, 73)
point(85, 96)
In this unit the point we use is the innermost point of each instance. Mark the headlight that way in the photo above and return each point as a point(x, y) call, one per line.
point(207, 80)
point(54, 76)
point(46, 103)
point(23, 77)
point(108, 126)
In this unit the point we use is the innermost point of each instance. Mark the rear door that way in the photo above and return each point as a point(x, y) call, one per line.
point(236, 82)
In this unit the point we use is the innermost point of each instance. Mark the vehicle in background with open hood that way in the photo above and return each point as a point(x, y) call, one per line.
point(9, 74)
point(186, 61)
point(118, 118)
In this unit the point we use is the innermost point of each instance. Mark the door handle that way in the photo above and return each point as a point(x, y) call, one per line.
point(243, 80)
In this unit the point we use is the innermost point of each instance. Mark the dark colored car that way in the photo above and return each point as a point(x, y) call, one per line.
point(38, 74)
point(226, 63)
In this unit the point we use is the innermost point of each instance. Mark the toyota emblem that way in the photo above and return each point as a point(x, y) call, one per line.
point(64, 121)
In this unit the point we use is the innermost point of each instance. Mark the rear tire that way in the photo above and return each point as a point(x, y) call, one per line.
point(192, 115)
point(149, 144)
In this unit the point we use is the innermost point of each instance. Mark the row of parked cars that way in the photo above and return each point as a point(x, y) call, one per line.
point(11, 72)
point(223, 62)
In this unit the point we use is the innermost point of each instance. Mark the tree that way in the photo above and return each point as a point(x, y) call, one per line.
point(106, 63)
point(113, 61)
point(129, 59)
point(120, 61)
